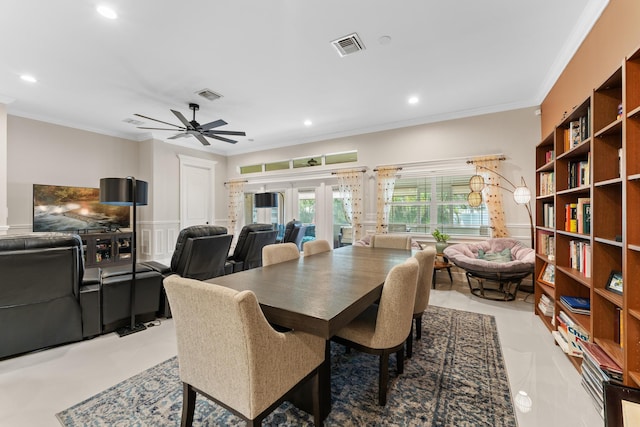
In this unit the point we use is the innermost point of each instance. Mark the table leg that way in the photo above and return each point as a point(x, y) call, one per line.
point(325, 382)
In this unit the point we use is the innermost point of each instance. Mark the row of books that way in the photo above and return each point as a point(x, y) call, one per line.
point(546, 244)
point(548, 215)
point(580, 257)
point(577, 132)
point(578, 305)
point(570, 335)
point(583, 215)
point(549, 155)
point(546, 306)
point(577, 216)
point(579, 173)
point(547, 183)
point(598, 368)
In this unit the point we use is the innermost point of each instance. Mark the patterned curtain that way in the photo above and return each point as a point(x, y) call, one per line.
point(350, 187)
point(493, 195)
point(386, 179)
point(235, 208)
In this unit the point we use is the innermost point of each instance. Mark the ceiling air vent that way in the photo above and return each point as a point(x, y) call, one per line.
point(209, 94)
point(348, 44)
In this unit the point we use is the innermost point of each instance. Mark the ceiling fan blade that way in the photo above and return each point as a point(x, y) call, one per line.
point(173, 130)
point(230, 141)
point(202, 139)
point(179, 135)
point(226, 132)
point(182, 118)
point(212, 125)
point(155, 120)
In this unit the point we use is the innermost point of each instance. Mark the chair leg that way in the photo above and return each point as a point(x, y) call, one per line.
point(188, 405)
point(383, 379)
point(410, 342)
point(400, 361)
point(419, 327)
point(449, 271)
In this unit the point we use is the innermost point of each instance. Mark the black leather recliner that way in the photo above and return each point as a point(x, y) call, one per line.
point(201, 252)
point(40, 279)
point(294, 233)
point(115, 296)
point(248, 251)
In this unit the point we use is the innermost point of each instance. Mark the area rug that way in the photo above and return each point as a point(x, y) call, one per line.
point(456, 377)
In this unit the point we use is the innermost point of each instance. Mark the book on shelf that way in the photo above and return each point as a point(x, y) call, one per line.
point(564, 345)
point(546, 244)
point(546, 308)
point(548, 215)
point(607, 367)
point(546, 183)
point(549, 155)
point(578, 305)
point(580, 214)
point(580, 256)
point(576, 132)
point(571, 217)
point(592, 382)
point(578, 175)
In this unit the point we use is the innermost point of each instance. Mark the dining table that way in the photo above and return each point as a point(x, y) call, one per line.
point(319, 294)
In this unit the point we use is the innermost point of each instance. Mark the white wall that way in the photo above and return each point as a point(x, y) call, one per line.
point(44, 153)
point(513, 133)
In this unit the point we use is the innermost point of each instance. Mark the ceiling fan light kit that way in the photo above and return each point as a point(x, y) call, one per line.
point(195, 129)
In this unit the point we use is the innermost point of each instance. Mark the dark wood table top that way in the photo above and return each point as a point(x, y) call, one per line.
point(322, 293)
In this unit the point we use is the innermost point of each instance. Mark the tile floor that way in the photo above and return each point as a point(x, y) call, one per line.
point(36, 386)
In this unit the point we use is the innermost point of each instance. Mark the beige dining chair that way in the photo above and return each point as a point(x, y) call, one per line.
point(391, 241)
point(279, 252)
point(426, 259)
point(383, 328)
point(228, 352)
point(317, 246)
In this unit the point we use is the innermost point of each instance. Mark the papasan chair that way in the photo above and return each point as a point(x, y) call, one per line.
point(501, 261)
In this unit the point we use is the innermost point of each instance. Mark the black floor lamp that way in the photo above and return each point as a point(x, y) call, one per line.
point(127, 192)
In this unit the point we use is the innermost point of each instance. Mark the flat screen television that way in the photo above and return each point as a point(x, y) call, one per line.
point(75, 209)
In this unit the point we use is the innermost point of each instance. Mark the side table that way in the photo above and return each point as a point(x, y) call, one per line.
point(440, 263)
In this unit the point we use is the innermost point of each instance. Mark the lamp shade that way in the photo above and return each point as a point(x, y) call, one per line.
point(474, 199)
point(521, 195)
point(266, 200)
point(476, 183)
point(119, 191)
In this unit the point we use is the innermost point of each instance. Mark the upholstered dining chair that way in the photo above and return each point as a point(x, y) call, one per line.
point(383, 328)
point(228, 352)
point(279, 252)
point(317, 246)
point(391, 241)
point(426, 259)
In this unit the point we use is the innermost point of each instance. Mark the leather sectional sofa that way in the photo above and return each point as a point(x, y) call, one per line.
point(48, 299)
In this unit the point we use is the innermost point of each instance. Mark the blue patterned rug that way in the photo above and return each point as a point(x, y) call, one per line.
point(456, 377)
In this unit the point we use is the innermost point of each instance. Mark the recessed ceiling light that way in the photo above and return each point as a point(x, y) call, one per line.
point(28, 78)
point(413, 100)
point(308, 122)
point(107, 12)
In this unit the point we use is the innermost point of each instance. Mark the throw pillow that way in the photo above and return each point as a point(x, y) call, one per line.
point(502, 256)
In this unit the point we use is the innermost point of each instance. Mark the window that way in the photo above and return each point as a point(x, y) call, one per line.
point(307, 206)
point(423, 204)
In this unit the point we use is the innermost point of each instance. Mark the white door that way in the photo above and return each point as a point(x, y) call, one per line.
point(196, 191)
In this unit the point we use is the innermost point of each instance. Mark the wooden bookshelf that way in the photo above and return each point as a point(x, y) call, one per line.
point(609, 153)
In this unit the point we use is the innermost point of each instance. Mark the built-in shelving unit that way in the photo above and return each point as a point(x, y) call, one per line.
point(596, 173)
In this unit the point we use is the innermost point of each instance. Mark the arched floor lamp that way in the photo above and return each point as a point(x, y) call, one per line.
point(127, 192)
point(521, 193)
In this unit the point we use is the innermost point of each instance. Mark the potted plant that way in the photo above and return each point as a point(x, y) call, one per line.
point(441, 240)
